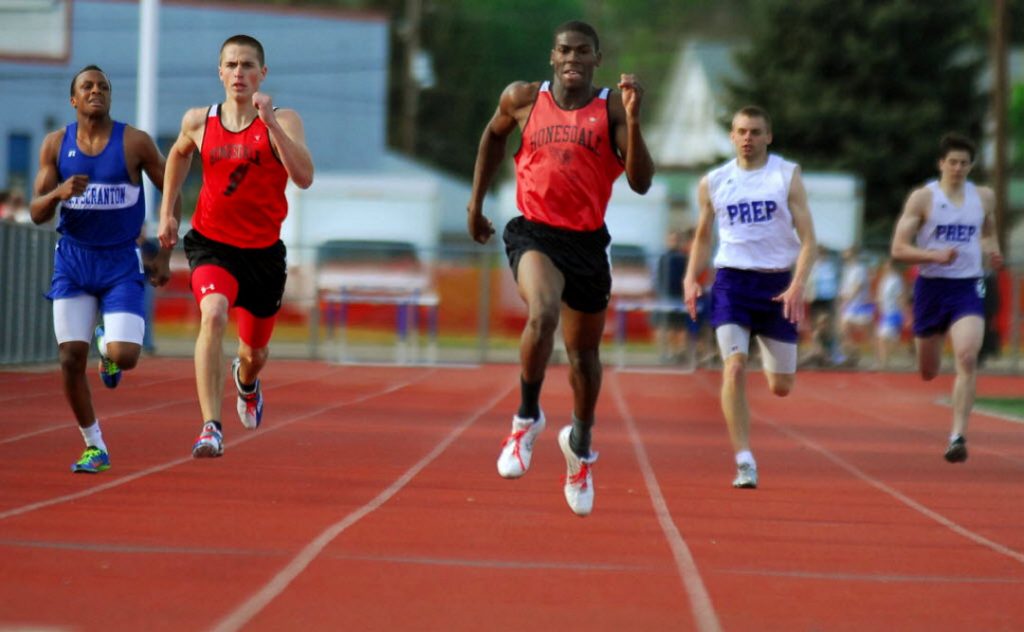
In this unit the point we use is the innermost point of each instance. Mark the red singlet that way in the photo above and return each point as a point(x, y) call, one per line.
point(241, 202)
point(567, 163)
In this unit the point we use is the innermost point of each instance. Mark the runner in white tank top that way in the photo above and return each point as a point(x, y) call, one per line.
point(764, 230)
point(755, 226)
point(948, 228)
point(956, 226)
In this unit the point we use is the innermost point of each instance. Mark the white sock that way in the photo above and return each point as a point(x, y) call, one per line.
point(93, 437)
point(745, 456)
point(954, 435)
point(101, 344)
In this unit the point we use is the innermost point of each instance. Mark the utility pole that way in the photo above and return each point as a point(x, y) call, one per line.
point(1000, 96)
point(410, 85)
point(146, 98)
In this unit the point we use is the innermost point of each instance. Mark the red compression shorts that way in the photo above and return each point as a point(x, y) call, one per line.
point(211, 279)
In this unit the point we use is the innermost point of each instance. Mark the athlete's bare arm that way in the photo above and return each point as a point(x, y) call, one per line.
point(288, 138)
point(142, 152)
point(48, 191)
point(793, 298)
point(179, 159)
point(513, 110)
point(914, 215)
point(701, 248)
point(625, 114)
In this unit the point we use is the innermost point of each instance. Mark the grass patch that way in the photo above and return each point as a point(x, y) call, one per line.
point(1010, 406)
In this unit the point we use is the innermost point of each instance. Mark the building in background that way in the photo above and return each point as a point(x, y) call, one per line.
point(331, 66)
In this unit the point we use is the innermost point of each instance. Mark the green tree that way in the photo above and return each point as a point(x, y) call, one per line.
point(866, 86)
point(478, 48)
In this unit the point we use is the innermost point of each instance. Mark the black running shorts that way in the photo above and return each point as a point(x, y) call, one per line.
point(581, 257)
point(261, 272)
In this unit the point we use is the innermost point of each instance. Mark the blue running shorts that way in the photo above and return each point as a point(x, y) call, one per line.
point(113, 275)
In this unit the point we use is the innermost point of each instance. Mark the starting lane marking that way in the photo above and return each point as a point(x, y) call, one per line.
point(883, 579)
point(280, 582)
point(879, 485)
point(700, 602)
point(24, 509)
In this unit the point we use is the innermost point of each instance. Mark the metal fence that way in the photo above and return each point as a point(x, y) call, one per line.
point(363, 303)
point(26, 316)
point(377, 303)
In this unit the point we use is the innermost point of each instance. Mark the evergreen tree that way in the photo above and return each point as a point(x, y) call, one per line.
point(866, 86)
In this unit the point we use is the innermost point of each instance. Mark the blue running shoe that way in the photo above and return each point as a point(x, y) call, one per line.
point(110, 373)
point(209, 444)
point(250, 404)
point(93, 460)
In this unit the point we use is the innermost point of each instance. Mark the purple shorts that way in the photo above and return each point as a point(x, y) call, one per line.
point(744, 298)
point(938, 303)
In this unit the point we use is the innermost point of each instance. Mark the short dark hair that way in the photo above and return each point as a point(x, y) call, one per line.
point(577, 26)
point(956, 142)
point(755, 111)
point(74, 79)
point(245, 40)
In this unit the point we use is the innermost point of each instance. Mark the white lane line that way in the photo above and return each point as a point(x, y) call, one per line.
point(280, 582)
point(873, 578)
point(879, 485)
point(24, 509)
point(700, 602)
point(132, 549)
point(900, 496)
point(28, 435)
point(874, 382)
point(50, 390)
point(135, 411)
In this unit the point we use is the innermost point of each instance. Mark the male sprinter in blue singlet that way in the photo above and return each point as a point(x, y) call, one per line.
point(766, 252)
point(948, 227)
point(92, 171)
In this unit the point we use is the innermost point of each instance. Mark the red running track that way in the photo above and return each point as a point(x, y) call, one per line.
point(369, 500)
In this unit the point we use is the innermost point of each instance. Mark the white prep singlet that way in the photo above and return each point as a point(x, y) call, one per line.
point(952, 226)
point(755, 226)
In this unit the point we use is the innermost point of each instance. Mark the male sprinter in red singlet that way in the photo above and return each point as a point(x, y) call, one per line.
point(576, 140)
point(249, 150)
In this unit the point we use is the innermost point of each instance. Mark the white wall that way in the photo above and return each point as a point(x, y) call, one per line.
point(370, 207)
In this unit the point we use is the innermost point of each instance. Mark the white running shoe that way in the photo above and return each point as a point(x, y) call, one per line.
point(249, 405)
point(517, 450)
point(746, 476)
point(209, 444)
point(579, 481)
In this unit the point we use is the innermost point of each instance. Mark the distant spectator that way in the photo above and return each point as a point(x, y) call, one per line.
point(819, 352)
point(820, 296)
point(668, 283)
point(5, 215)
point(824, 285)
point(17, 209)
point(892, 311)
point(856, 311)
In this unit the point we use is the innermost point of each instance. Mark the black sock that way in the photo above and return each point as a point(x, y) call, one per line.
point(579, 438)
point(529, 399)
point(215, 423)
